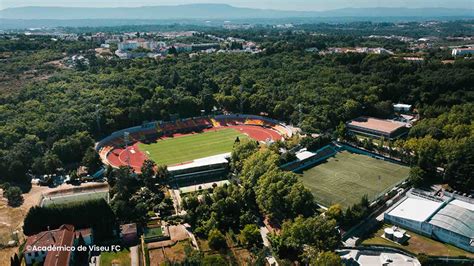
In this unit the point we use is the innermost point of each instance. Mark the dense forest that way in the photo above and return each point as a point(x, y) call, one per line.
point(52, 113)
point(51, 122)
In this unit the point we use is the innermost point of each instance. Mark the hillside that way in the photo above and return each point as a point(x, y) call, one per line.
point(217, 11)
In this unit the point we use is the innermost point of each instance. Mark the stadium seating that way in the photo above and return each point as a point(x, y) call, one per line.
point(215, 123)
point(282, 130)
point(257, 122)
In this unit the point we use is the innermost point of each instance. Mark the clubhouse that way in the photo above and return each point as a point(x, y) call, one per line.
point(377, 128)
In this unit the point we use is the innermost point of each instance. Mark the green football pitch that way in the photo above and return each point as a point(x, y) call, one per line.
point(347, 176)
point(186, 148)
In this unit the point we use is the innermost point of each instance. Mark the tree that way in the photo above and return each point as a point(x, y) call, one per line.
point(162, 173)
point(216, 240)
point(81, 256)
point(148, 174)
point(258, 164)
point(417, 176)
point(314, 144)
point(335, 212)
point(281, 196)
point(172, 50)
point(242, 151)
point(318, 232)
point(327, 258)
point(14, 196)
point(51, 163)
point(216, 259)
point(250, 236)
point(341, 131)
point(91, 160)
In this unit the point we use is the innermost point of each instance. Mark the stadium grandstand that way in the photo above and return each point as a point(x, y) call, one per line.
point(203, 167)
point(307, 158)
point(122, 147)
point(449, 218)
point(378, 128)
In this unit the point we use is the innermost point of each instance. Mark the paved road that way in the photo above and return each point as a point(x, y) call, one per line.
point(269, 257)
point(135, 260)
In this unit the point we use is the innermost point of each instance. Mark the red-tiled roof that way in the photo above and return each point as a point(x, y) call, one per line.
point(63, 236)
point(128, 228)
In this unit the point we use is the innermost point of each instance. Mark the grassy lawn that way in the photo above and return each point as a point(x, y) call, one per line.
point(418, 244)
point(181, 149)
point(121, 258)
point(346, 177)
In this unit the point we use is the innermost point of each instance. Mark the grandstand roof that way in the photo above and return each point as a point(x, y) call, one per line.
point(385, 126)
point(415, 209)
point(211, 160)
point(301, 155)
point(457, 216)
point(402, 105)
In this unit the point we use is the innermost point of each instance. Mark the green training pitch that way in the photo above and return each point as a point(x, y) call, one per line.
point(346, 177)
point(186, 148)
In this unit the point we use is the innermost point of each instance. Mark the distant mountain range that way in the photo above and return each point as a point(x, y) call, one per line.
point(217, 11)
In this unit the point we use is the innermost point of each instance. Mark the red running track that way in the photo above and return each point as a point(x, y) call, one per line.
point(134, 157)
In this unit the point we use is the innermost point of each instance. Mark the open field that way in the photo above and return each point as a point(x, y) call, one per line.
point(121, 258)
point(186, 148)
point(418, 244)
point(347, 176)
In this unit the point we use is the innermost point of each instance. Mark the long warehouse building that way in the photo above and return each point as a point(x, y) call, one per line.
point(449, 219)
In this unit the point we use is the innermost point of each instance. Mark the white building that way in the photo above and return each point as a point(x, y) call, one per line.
point(203, 167)
point(401, 107)
point(135, 44)
point(448, 219)
point(376, 258)
point(462, 51)
point(128, 45)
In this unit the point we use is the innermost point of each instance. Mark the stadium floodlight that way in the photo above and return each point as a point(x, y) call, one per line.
point(126, 138)
point(97, 116)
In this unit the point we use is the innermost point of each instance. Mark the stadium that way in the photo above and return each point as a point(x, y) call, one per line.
point(189, 147)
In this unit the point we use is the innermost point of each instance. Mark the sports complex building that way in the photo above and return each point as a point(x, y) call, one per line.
point(191, 147)
point(377, 128)
point(449, 218)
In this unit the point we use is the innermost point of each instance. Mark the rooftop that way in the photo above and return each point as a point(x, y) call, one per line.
point(457, 216)
point(372, 257)
point(453, 214)
point(211, 160)
point(63, 236)
point(128, 228)
point(386, 126)
point(301, 155)
point(402, 105)
point(415, 209)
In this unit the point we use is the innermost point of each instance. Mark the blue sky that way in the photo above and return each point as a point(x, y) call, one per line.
point(273, 4)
